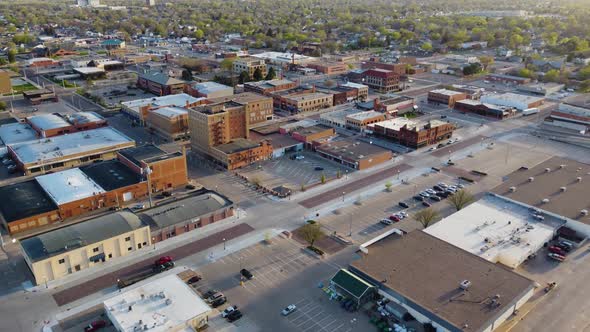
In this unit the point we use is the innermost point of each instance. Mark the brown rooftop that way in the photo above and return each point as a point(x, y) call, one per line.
point(428, 271)
point(241, 98)
point(548, 185)
point(352, 150)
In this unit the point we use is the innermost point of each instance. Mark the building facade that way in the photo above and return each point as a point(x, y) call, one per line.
point(381, 80)
point(445, 97)
point(160, 84)
point(308, 102)
point(249, 65)
point(414, 134)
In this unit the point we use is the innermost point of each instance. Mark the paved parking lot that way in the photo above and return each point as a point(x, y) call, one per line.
point(294, 173)
point(137, 133)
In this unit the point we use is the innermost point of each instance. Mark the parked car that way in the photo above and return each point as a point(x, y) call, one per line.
point(440, 146)
point(288, 310)
point(436, 198)
point(424, 194)
point(419, 198)
point(426, 204)
point(437, 188)
point(556, 257)
point(210, 293)
point(442, 185)
point(432, 148)
point(318, 168)
point(299, 157)
point(389, 221)
point(218, 302)
point(194, 280)
point(246, 274)
point(402, 214)
point(138, 206)
point(163, 260)
point(460, 186)
point(229, 310)
point(565, 245)
point(557, 250)
point(430, 191)
point(234, 316)
point(163, 267)
point(95, 326)
point(215, 296)
point(403, 204)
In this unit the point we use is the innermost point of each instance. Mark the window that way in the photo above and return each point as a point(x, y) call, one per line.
point(128, 238)
point(130, 248)
point(110, 255)
point(95, 249)
point(139, 246)
point(145, 243)
point(61, 261)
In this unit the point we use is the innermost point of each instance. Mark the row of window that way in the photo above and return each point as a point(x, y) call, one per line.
point(97, 249)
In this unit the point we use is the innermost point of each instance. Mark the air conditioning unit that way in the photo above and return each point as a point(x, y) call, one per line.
point(512, 189)
point(545, 200)
point(464, 285)
point(531, 179)
point(547, 170)
point(563, 189)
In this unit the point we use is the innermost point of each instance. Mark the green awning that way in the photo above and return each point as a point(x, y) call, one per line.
point(351, 283)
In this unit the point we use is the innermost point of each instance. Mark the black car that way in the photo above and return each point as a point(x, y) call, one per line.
point(210, 293)
point(234, 316)
point(426, 204)
point(437, 188)
point(163, 267)
point(442, 194)
point(440, 146)
point(419, 198)
point(318, 168)
point(219, 302)
point(404, 205)
point(194, 280)
point(435, 198)
point(246, 274)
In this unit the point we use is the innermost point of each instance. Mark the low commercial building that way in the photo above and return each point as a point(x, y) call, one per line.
point(336, 119)
point(36, 97)
point(510, 79)
point(280, 58)
point(107, 64)
point(354, 154)
point(360, 121)
point(472, 92)
point(279, 98)
point(42, 155)
point(308, 102)
point(50, 125)
point(241, 152)
point(41, 62)
point(249, 65)
point(445, 97)
point(309, 134)
point(267, 87)
point(449, 289)
point(375, 63)
point(5, 83)
point(186, 214)
point(362, 90)
point(414, 134)
point(160, 83)
point(541, 89)
point(555, 187)
point(568, 114)
point(210, 90)
point(90, 73)
point(138, 109)
point(489, 110)
point(497, 229)
point(518, 101)
point(63, 251)
point(394, 106)
point(340, 94)
point(329, 68)
point(162, 304)
point(169, 122)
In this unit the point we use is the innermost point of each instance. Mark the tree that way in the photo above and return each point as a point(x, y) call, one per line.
point(271, 74)
point(388, 186)
point(486, 61)
point(585, 86)
point(2, 106)
point(584, 73)
point(12, 55)
point(199, 34)
point(524, 72)
point(257, 75)
point(311, 233)
point(426, 216)
point(187, 75)
point(323, 178)
point(551, 76)
point(472, 69)
point(226, 64)
point(426, 47)
point(461, 199)
point(244, 77)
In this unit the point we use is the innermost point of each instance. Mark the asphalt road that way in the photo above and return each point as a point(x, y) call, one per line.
point(353, 186)
point(89, 287)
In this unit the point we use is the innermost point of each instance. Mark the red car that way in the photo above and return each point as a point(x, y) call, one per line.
point(395, 218)
point(557, 250)
point(163, 260)
point(95, 326)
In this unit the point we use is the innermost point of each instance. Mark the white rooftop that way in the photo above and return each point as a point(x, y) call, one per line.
point(84, 117)
point(170, 112)
point(179, 100)
point(508, 96)
point(364, 115)
point(16, 132)
point(164, 304)
point(354, 85)
point(446, 92)
point(397, 123)
point(47, 121)
point(61, 147)
point(68, 186)
point(89, 70)
point(283, 57)
point(209, 87)
point(496, 229)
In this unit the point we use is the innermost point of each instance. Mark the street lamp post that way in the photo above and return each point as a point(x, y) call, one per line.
point(343, 193)
point(350, 227)
point(223, 243)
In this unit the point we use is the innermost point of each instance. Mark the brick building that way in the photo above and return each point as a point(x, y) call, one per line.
point(267, 87)
point(160, 84)
point(169, 122)
point(412, 133)
point(397, 68)
point(362, 90)
point(249, 65)
point(489, 110)
point(36, 97)
point(308, 102)
point(241, 152)
point(394, 106)
point(381, 80)
point(445, 97)
point(329, 68)
point(49, 125)
point(209, 90)
point(354, 154)
point(310, 134)
point(360, 121)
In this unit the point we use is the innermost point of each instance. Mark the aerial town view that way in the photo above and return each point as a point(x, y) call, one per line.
point(294, 166)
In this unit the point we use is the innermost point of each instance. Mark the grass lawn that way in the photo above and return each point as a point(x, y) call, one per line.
point(23, 87)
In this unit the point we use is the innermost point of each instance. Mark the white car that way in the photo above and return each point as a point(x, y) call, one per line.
point(431, 191)
point(299, 157)
point(424, 194)
point(432, 148)
point(288, 310)
point(404, 214)
point(229, 310)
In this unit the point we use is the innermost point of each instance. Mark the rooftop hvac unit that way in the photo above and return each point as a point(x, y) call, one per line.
point(561, 166)
point(579, 179)
point(547, 170)
point(512, 189)
point(531, 179)
point(464, 285)
point(168, 301)
point(563, 189)
point(584, 212)
point(545, 200)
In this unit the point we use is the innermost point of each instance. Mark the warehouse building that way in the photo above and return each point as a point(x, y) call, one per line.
point(445, 97)
point(160, 84)
point(49, 125)
point(158, 305)
point(61, 252)
point(42, 155)
point(308, 102)
point(269, 86)
point(489, 110)
point(541, 89)
point(449, 289)
point(354, 154)
point(518, 101)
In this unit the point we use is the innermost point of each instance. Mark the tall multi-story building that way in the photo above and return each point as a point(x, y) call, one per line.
point(258, 108)
point(381, 80)
point(249, 65)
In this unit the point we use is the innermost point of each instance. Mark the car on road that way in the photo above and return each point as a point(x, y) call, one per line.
point(95, 326)
point(163, 260)
point(419, 198)
point(220, 301)
point(229, 310)
point(403, 204)
point(194, 280)
point(557, 250)
point(299, 157)
point(138, 206)
point(426, 204)
point(318, 168)
point(443, 116)
point(246, 274)
point(556, 257)
point(432, 148)
point(289, 310)
point(440, 146)
point(163, 267)
point(234, 316)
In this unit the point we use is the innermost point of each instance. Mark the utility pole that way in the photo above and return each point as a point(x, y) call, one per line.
point(350, 228)
point(148, 171)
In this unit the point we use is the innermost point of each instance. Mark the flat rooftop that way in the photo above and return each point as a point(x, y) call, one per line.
point(312, 130)
point(237, 145)
point(508, 96)
point(171, 112)
point(141, 153)
point(89, 70)
point(69, 186)
point(111, 174)
point(48, 121)
point(497, 230)
point(547, 180)
point(84, 117)
point(416, 125)
point(79, 235)
point(338, 116)
point(354, 85)
point(23, 200)
point(360, 116)
point(183, 210)
point(164, 304)
point(16, 132)
point(277, 140)
point(308, 96)
point(209, 87)
point(446, 92)
point(66, 146)
point(351, 150)
point(428, 271)
point(178, 100)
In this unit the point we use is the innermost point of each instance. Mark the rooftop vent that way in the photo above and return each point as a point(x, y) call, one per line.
point(545, 200)
point(512, 189)
point(561, 166)
point(464, 285)
point(563, 189)
point(584, 212)
point(579, 179)
point(547, 170)
point(531, 179)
